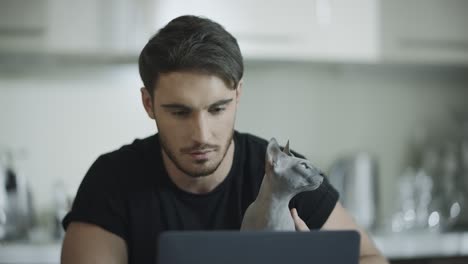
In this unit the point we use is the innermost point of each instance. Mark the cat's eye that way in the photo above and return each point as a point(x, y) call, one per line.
point(304, 165)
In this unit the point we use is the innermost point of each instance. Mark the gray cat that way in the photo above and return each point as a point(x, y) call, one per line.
point(285, 176)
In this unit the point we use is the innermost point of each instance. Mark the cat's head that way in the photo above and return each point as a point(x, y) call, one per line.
point(292, 173)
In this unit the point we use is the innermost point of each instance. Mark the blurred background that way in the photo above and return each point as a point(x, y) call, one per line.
point(374, 92)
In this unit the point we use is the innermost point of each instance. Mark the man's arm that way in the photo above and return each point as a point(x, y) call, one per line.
point(90, 244)
point(341, 219)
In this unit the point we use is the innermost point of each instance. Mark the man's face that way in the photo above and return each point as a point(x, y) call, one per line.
point(195, 115)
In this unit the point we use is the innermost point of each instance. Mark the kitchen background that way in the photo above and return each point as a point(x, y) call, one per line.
point(371, 91)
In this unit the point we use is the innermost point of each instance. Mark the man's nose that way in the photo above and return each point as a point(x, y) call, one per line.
point(200, 128)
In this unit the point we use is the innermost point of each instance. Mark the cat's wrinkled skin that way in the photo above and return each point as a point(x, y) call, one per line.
point(285, 176)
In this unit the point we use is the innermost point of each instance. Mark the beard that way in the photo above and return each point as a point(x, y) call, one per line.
point(199, 170)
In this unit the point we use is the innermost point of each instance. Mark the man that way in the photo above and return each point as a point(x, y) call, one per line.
point(197, 173)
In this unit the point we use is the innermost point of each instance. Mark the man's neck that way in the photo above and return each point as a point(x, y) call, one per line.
point(199, 185)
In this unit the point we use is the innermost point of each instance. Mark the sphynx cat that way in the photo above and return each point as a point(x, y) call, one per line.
point(285, 176)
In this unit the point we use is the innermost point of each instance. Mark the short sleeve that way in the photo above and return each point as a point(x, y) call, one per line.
point(100, 199)
point(314, 207)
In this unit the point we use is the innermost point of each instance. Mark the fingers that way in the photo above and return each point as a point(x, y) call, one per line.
point(298, 222)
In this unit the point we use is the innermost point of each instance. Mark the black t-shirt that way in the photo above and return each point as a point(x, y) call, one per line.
point(129, 193)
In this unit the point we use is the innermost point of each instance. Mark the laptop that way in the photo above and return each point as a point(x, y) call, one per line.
point(257, 247)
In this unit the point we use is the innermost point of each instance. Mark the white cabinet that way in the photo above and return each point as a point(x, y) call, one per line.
point(424, 31)
point(102, 27)
point(69, 27)
point(23, 25)
point(73, 26)
point(416, 31)
point(294, 30)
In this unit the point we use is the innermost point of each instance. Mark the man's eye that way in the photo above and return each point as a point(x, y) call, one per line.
point(180, 113)
point(217, 110)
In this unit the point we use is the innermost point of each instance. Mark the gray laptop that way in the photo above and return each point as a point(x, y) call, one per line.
point(257, 247)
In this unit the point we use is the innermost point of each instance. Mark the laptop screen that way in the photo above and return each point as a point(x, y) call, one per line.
point(254, 247)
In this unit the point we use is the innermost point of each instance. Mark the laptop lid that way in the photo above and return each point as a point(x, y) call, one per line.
point(254, 247)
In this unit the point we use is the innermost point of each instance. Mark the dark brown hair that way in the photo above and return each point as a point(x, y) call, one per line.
point(191, 43)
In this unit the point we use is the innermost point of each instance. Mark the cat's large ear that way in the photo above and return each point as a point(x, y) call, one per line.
point(273, 150)
point(287, 150)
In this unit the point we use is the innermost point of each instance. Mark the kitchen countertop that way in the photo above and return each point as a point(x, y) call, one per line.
point(47, 253)
point(393, 246)
point(422, 245)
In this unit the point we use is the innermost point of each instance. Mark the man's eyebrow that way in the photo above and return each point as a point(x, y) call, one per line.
point(181, 106)
point(221, 102)
point(178, 106)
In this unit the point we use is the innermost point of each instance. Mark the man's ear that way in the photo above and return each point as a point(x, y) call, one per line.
point(239, 91)
point(147, 101)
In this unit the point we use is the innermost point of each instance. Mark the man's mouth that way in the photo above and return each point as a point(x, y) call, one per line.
point(202, 154)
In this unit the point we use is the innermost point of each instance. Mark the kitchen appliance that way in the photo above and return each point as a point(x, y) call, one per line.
point(355, 176)
point(16, 211)
point(3, 202)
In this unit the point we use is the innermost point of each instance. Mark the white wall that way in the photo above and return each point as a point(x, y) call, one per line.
point(65, 116)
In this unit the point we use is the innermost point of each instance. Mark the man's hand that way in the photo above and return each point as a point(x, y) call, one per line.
point(298, 222)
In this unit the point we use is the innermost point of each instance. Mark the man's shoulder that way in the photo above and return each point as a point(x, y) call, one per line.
point(139, 149)
point(127, 166)
point(252, 148)
point(256, 144)
point(251, 141)
point(128, 159)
